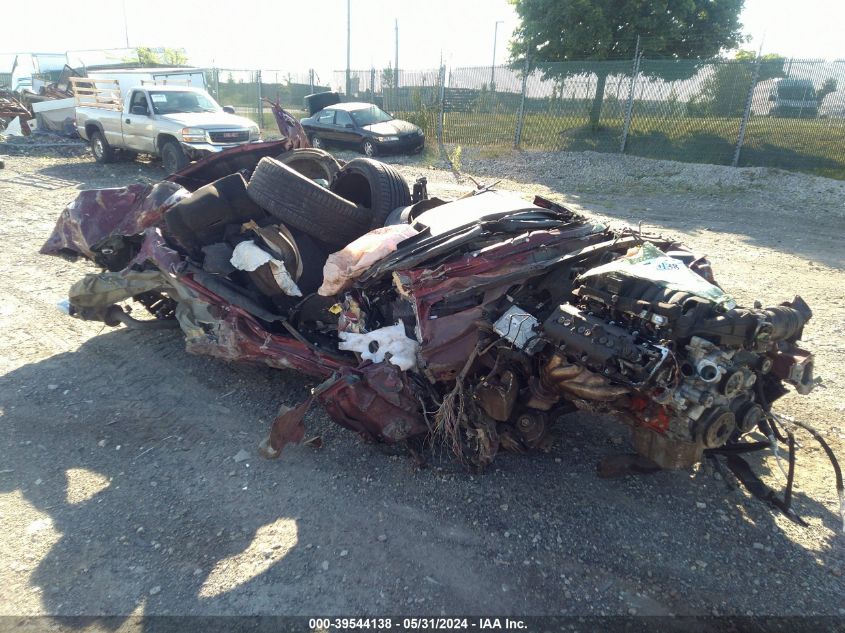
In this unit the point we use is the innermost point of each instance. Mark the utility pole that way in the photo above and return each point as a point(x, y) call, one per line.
point(125, 24)
point(396, 57)
point(493, 65)
point(348, 44)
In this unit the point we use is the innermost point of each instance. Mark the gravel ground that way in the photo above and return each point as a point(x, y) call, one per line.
point(130, 483)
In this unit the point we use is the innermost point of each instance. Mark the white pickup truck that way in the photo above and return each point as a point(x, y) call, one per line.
point(178, 123)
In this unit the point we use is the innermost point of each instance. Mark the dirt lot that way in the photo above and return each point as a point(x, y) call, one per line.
point(120, 492)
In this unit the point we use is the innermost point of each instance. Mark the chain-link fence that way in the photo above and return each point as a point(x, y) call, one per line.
point(767, 112)
point(246, 91)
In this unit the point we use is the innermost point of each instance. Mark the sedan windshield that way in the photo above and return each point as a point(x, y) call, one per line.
point(370, 116)
point(171, 102)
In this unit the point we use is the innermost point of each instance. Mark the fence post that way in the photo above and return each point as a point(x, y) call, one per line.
point(745, 115)
point(441, 115)
point(260, 104)
point(311, 80)
point(521, 116)
point(629, 107)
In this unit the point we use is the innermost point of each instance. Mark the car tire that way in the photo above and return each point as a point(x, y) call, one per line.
point(173, 157)
point(311, 163)
point(374, 186)
point(369, 148)
point(316, 142)
point(103, 152)
point(303, 204)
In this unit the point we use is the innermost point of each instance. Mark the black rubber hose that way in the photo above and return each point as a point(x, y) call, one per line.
point(840, 488)
point(790, 476)
point(744, 447)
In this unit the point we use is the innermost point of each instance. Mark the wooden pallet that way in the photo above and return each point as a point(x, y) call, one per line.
point(97, 93)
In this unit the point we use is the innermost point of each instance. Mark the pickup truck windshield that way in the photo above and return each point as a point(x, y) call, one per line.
point(795, 93)
point(369, 116)
point(171, 102)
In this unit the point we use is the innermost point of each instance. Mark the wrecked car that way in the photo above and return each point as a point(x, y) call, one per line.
point(473, 323)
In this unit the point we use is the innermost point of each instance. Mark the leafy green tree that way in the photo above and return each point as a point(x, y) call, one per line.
point(725, 90)
point(170, 56)
point(174, 57)
point(828, 86)
point(388, 77)
point(554, 31)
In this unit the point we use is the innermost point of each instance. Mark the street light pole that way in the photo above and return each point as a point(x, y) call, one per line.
point(493, 65)
point(396, 60)
point(348, 44)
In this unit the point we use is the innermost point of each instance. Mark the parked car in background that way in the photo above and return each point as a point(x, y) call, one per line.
point(362, 126)
point(794, 98)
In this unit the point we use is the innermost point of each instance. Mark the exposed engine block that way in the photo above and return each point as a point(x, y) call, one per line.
point(689, 371)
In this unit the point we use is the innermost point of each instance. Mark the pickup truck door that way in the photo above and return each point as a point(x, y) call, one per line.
point(138, 124)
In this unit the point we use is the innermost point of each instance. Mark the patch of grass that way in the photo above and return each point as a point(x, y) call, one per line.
point(814, 146)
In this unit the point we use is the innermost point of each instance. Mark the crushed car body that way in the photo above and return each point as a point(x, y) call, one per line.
point(475, 322)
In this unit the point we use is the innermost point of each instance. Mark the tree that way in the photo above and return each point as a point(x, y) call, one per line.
point(827, 87)
point(388, 77)
point(724, 91)
point(156, 57)
point(553, 31)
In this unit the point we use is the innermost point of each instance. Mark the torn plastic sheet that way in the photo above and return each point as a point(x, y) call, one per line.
point(387, 343)
point(652, 264)
point(247, 256)
point(349, 263)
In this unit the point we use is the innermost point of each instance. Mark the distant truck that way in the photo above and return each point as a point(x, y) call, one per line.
point(793, 98)
point(177, 123)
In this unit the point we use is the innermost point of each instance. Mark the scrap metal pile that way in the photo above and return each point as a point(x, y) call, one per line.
point(474, 322)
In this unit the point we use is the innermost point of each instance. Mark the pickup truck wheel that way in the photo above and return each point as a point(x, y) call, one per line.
point(103, 152)
point(173, 157)
point(374, 186)
point(303, 204)
point(369, 148)
point(316, 142)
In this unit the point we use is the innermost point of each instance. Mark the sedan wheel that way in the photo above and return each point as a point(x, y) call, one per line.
point(370, 148)
point(317, 142)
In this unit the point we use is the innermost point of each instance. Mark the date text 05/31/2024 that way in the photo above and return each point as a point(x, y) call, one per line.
point(430, 624)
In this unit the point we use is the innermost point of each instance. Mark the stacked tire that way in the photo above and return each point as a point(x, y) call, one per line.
point(362, 194)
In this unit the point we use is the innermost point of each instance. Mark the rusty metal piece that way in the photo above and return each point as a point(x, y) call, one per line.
point(533, 427)
point(665, 451)
point(287, 428)
point(795, 367)
point(558, 375)
point(540, 397)
point(496, 395)
point(376, 401)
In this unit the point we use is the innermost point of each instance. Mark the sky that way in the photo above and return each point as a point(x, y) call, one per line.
point(292, 36)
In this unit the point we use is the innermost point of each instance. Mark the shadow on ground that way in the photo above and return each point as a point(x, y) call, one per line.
point(179, 527)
